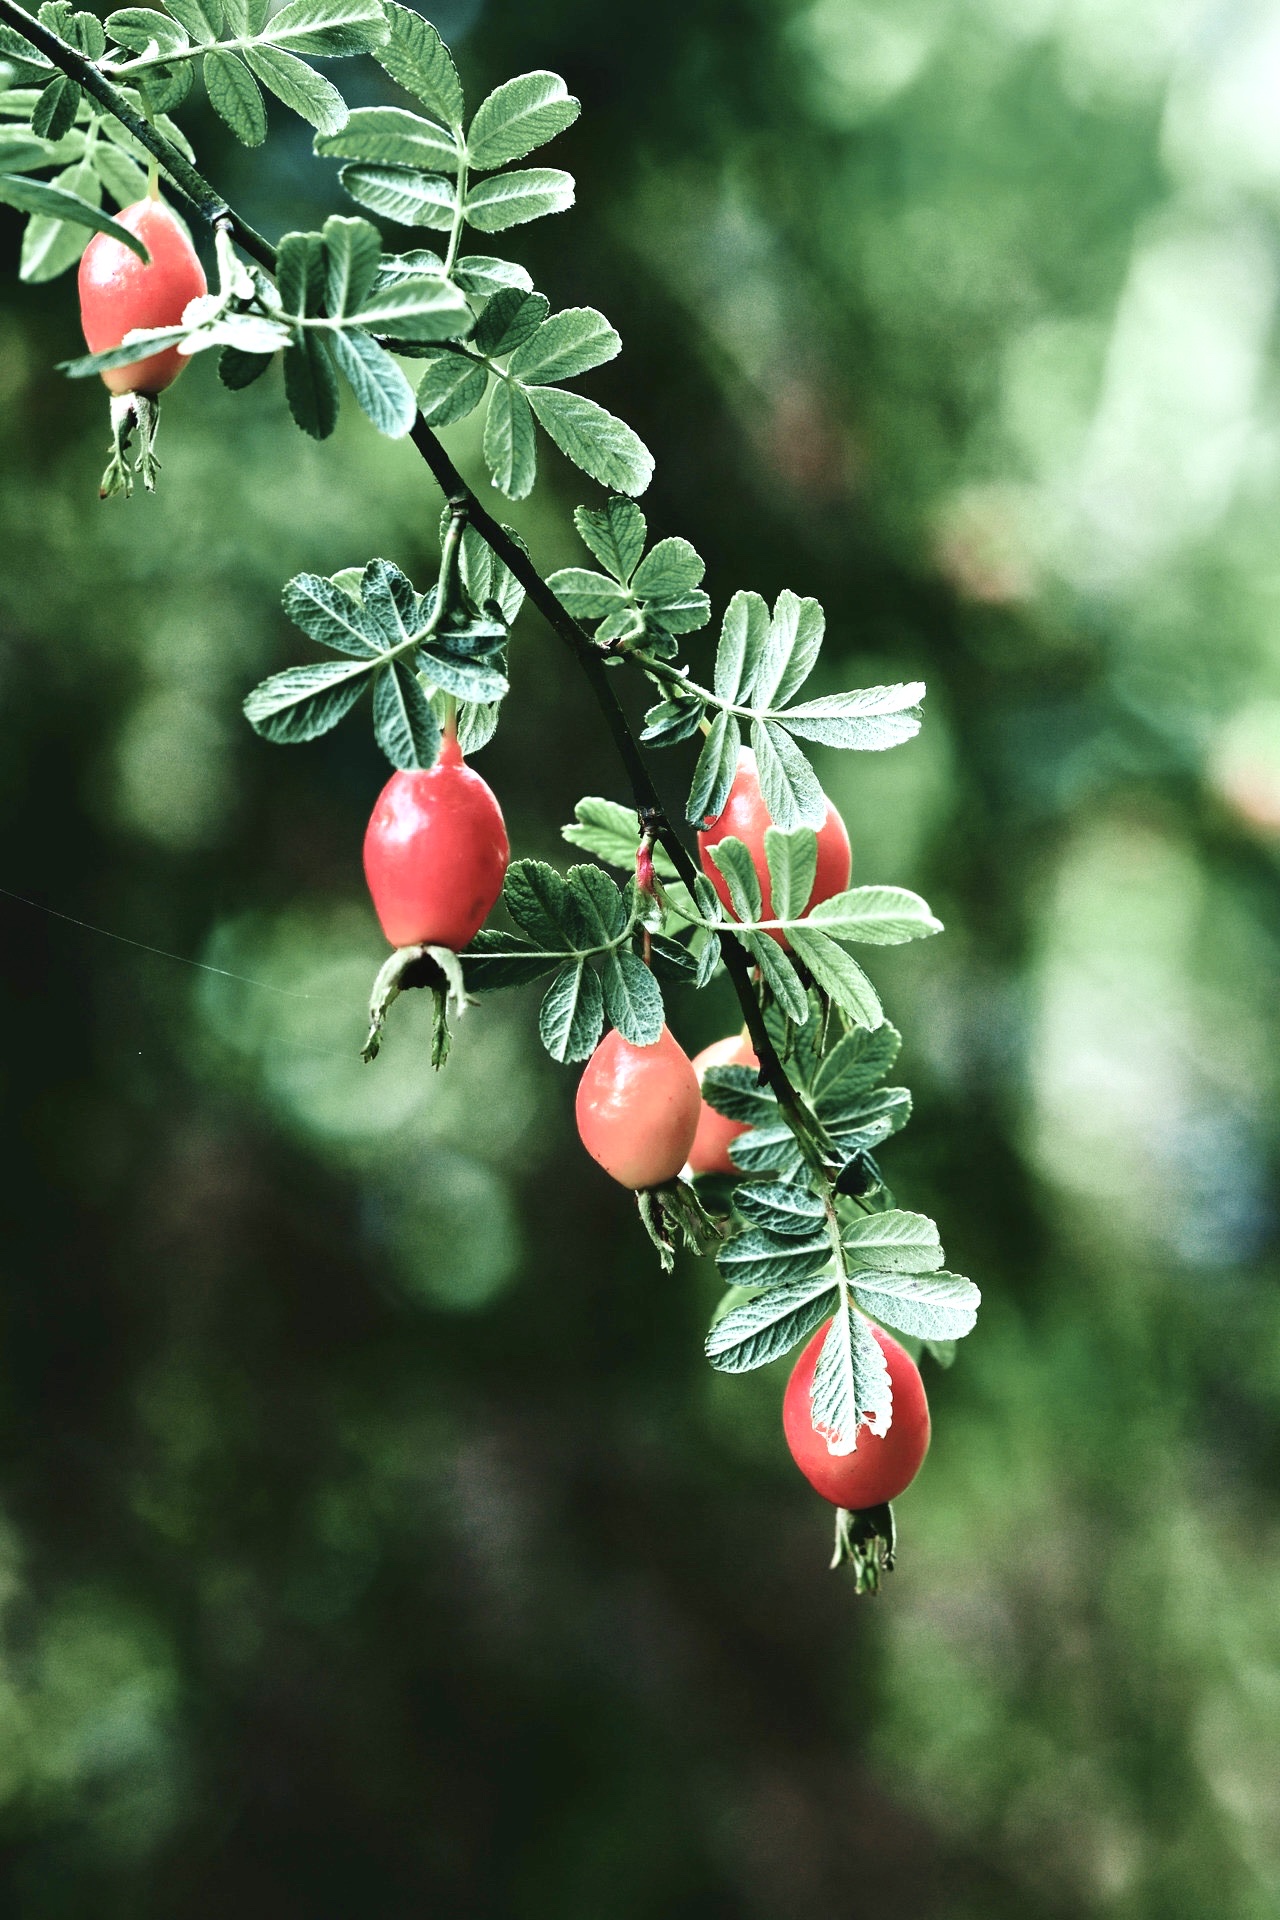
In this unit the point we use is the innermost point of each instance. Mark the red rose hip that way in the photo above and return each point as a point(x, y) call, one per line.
point(745, 817)
point(435, 854)
point(882, 1466)
point(710, 1150)
point(637, 1109)
point(119, 292)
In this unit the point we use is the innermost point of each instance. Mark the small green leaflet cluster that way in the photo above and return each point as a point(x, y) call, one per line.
point(430, 169)
point(640, 599)
point(153, 56)
point(587, 931)
point(763, 658)
point(871, 916)
point(796, 1259)
point(411, 651)
point(340, 305)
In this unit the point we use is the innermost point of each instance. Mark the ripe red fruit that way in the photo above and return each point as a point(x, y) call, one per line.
point(637, 1109)
point(882, 1466)
point(119, 292)
point(710, 1150)
point(745, 818)
point(435, 854)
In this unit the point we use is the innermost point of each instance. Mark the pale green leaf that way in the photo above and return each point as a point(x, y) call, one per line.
point(879, 916)
point(234, 95)
point(567, 344)
point(837, 973)
point(927, 1306)
point(417, 59)
point(303, 90)
point(851, 1384)
point(594, 439)
point(509, 199)
point(615, 534)
point(410, 198)
point(764, 1328)
point(788, 783)
point(376, 381)
point(393, 137)
point(518, 116)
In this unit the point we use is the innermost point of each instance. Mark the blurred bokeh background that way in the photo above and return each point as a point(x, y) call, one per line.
point(374, 1540)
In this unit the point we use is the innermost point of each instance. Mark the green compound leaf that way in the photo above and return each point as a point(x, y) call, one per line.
point(304, 702)
point(607, 829)
point(510, 444)
point(234, 96)
point(480, 274)
point(509, 199)
point(778, 973)
point(122, 177)
point(737, 1094)
point(352, 250)
point(417, 59)
point(485, 577)
point(20, 150)
point(301, 89)
point(238, 370)
point(567, 344)
point(594, 439)
point(927, 1306)
point(586, 594)
point(879, 916)
point(534, 896)
point(393, 137)
point(404, 724)
point(762, 1329)
point(851, 1384)
point(572, 1014)
point(204, 20)
point(424, 309)
point(615, 533)
point(632, 997)
point(669, 570)
point(518, 116)
point(854, 1065)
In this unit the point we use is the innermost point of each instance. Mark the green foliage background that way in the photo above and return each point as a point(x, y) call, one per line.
point(375, 1539)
